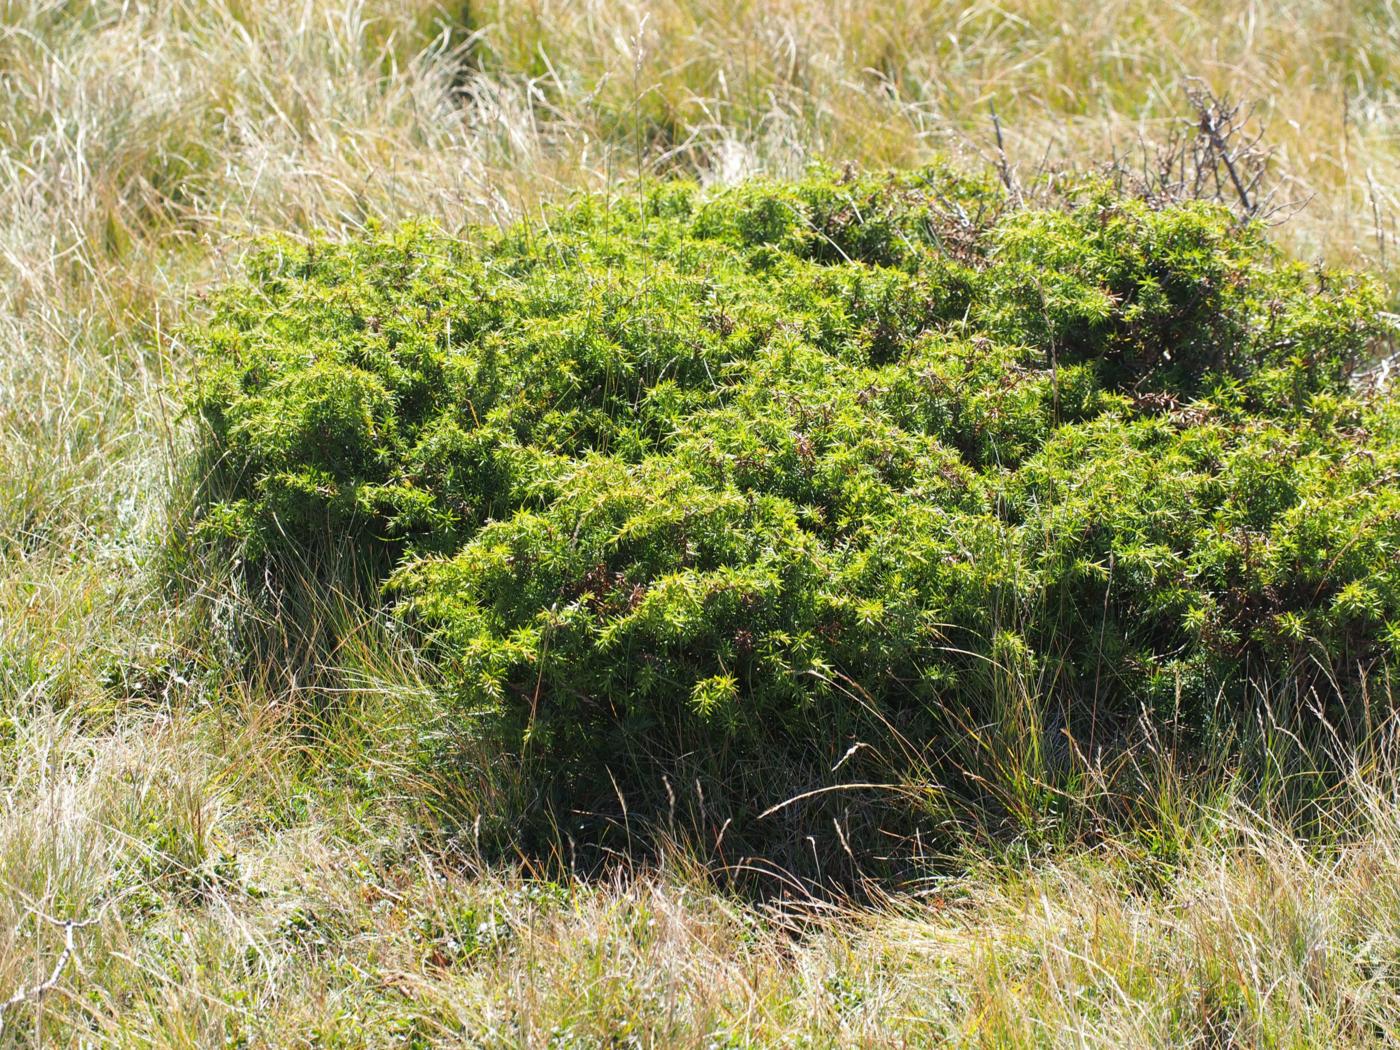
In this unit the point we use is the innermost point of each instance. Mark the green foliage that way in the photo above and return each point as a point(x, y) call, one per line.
point(700, 470)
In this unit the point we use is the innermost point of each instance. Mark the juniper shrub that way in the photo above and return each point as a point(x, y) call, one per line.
point(738, 474)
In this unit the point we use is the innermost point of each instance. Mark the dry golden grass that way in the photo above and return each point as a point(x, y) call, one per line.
point(733, 87)
point(225, 914)
point(256, 880)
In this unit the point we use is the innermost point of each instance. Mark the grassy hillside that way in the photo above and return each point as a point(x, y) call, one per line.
point(235, 814)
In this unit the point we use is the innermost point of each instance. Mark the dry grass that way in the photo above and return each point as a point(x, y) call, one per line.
point(259, 877)
point(732, 87)
point(228, 915)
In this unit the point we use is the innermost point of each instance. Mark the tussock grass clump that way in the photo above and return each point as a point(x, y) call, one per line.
point(730, 484)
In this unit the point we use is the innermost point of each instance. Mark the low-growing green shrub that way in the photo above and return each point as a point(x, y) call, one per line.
point(727, 481)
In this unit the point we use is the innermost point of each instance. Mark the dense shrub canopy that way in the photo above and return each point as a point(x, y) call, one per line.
point(738, 471)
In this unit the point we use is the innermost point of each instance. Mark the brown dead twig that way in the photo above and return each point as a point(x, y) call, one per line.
point(1217, 153)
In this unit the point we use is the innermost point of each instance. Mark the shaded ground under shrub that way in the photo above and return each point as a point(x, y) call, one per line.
point(858, 480)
